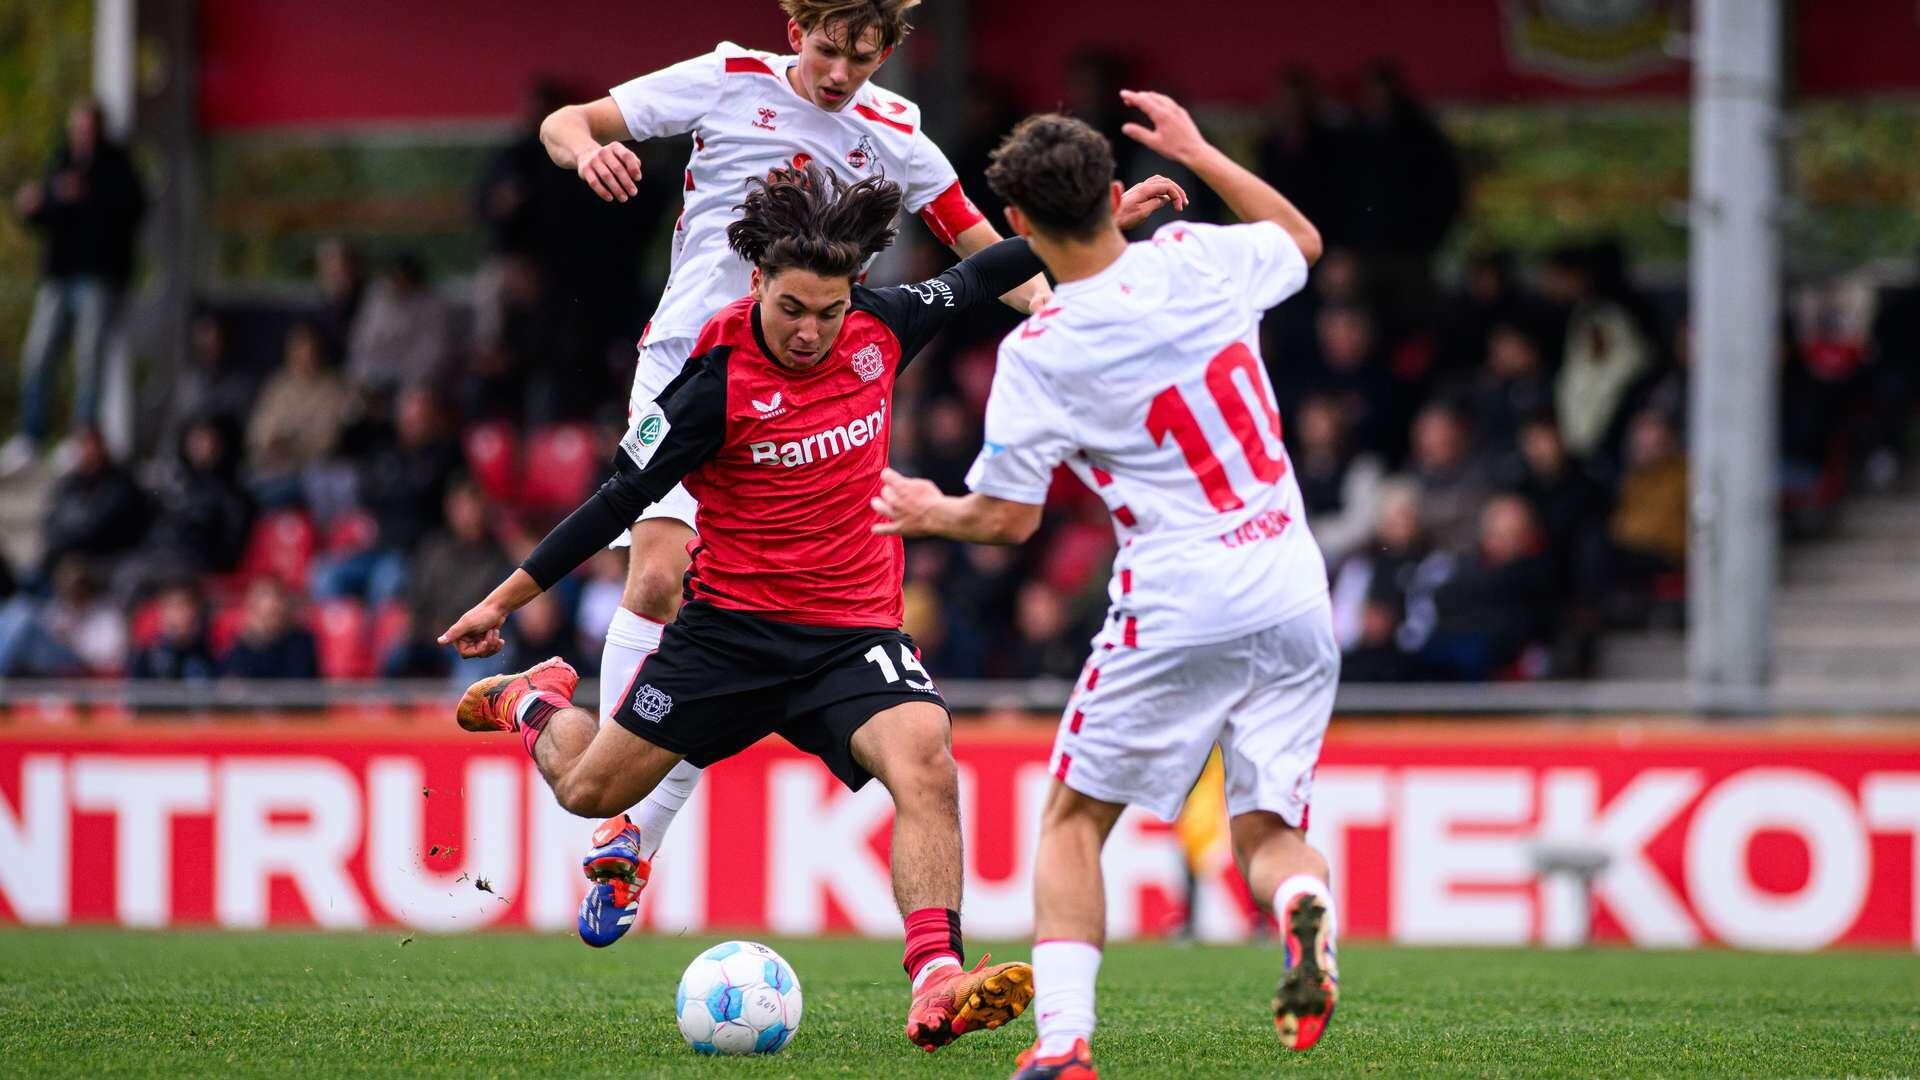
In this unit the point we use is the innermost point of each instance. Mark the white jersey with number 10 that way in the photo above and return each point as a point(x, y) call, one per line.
point(1146, 380)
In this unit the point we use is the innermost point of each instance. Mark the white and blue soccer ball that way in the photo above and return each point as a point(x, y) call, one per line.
point(738, 998)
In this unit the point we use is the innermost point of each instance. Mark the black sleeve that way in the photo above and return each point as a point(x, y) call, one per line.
point(918, 312)
point(668, 439)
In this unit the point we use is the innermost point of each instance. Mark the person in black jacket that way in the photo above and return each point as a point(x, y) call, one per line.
point(96, 511)
point(180, 651)
point(87, 208)
point(271, 645)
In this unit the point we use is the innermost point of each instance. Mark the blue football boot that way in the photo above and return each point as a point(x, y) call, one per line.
point(616, 874)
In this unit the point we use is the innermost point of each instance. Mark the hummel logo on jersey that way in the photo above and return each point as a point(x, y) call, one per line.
point(769, 409)
point(868, 363)
point(767, 117)
point(652, 703)
point(824, 444)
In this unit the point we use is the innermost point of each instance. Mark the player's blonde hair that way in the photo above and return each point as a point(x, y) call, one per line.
point(851, 19)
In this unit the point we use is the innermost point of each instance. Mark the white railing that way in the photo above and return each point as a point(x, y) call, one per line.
point(52, 697)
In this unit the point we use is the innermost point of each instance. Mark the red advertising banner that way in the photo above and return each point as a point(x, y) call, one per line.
point(1793, 839)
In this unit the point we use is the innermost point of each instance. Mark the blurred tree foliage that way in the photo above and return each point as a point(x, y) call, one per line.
point(46, 60)
point(1544, 175)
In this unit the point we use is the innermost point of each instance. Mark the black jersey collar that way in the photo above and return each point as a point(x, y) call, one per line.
point(760, 337)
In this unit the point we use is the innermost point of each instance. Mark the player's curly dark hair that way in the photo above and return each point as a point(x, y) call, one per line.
point(810, 219)
point(1058, 171)
point(848, 20)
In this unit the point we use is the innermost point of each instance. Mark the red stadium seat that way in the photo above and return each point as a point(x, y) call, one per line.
point(390, 625)
point(340, 639)
point(562, 462)
point(352, 531)
point(493, 452)
point(143, 626)
point(281, 546)
point(225, 628)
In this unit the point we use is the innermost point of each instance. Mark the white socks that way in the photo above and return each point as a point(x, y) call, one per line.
point(630, 640)
point(1063, 978)
point(657, 810)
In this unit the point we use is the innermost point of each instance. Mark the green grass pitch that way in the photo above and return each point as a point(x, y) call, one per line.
point(107, 1003)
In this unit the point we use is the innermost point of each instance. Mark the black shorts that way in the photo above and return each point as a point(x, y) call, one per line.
point(722, 681)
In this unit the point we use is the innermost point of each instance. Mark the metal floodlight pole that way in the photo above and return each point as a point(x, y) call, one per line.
point(1735, 286)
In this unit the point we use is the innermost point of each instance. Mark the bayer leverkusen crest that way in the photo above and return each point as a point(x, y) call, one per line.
point(868, 363)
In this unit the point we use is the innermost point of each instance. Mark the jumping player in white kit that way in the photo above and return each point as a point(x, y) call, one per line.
point(749, 112)
point(1143, 375)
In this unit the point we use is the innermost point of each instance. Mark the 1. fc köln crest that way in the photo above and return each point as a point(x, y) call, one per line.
point(861, 155)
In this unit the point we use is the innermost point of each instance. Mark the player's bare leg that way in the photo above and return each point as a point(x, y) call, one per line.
point(1069, 930)
point(619, 863)
point(1289, 878)
point(909, 749)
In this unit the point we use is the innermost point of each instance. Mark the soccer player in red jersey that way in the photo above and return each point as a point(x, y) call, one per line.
point(779, 425)
point(749, 111)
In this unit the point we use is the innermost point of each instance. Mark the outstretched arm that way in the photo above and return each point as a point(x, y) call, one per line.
point(668, 440)
point(915, 507)
point(1171, 133)
point(1140, 202)
point(916, 313)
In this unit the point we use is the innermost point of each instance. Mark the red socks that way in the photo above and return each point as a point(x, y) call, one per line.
point(534, 714)
point(932, 934)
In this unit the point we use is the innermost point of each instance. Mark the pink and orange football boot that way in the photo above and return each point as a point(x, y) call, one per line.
point(493, 703)
point(953, 1001)
point(1310, 986)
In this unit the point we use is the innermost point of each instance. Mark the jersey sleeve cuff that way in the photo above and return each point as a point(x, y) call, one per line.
point(950, 214)
point(1009, 492)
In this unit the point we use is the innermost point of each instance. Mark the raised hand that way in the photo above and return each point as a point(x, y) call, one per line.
point(1169, 131)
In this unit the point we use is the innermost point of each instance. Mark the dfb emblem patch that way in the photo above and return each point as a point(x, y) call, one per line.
point(868, 363)
point(652, 703)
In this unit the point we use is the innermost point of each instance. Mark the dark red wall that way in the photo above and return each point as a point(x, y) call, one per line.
point(295, 62)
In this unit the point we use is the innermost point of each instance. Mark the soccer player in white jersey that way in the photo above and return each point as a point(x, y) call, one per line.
point(749, 112)
point(1143, 375)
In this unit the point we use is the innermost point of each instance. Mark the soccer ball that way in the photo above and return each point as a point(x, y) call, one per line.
point(738, 998)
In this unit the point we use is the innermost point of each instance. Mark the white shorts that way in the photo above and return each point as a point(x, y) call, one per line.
point(660, 362)
point(1142, 722)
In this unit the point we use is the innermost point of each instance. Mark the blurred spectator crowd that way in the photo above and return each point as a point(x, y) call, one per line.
point(1497, 473)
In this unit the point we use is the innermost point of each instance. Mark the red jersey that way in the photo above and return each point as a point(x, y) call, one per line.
point(784, 463)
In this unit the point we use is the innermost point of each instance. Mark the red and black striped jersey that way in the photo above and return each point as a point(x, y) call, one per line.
point(784, 463)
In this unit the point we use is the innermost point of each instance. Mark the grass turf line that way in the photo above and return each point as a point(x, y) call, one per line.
point(104, 1002)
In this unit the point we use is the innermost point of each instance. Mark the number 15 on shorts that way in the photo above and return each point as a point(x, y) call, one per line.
point(878, 655)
